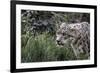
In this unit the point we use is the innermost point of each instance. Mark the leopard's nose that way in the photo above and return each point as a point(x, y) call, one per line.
point(58, 41)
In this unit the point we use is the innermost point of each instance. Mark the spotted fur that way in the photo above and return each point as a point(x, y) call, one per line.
point(78, 34)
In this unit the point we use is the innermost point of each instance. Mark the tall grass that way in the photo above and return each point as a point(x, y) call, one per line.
point(43, 48)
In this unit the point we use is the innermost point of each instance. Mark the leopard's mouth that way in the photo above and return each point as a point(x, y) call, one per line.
point(60, 43)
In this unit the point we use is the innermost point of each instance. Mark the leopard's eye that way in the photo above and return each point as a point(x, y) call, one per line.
point(64, 33)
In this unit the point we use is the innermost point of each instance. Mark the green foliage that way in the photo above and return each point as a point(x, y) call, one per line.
point(44, 48)
point(24, 39)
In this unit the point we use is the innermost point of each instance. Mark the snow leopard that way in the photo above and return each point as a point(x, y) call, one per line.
point(78, 34)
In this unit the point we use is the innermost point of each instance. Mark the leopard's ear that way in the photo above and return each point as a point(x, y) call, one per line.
point(63, 25)
point(72, 29)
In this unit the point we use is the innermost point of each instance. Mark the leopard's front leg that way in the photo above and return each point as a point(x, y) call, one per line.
point(74, 48)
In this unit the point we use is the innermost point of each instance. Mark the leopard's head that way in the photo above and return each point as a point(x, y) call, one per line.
point(61, 35)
